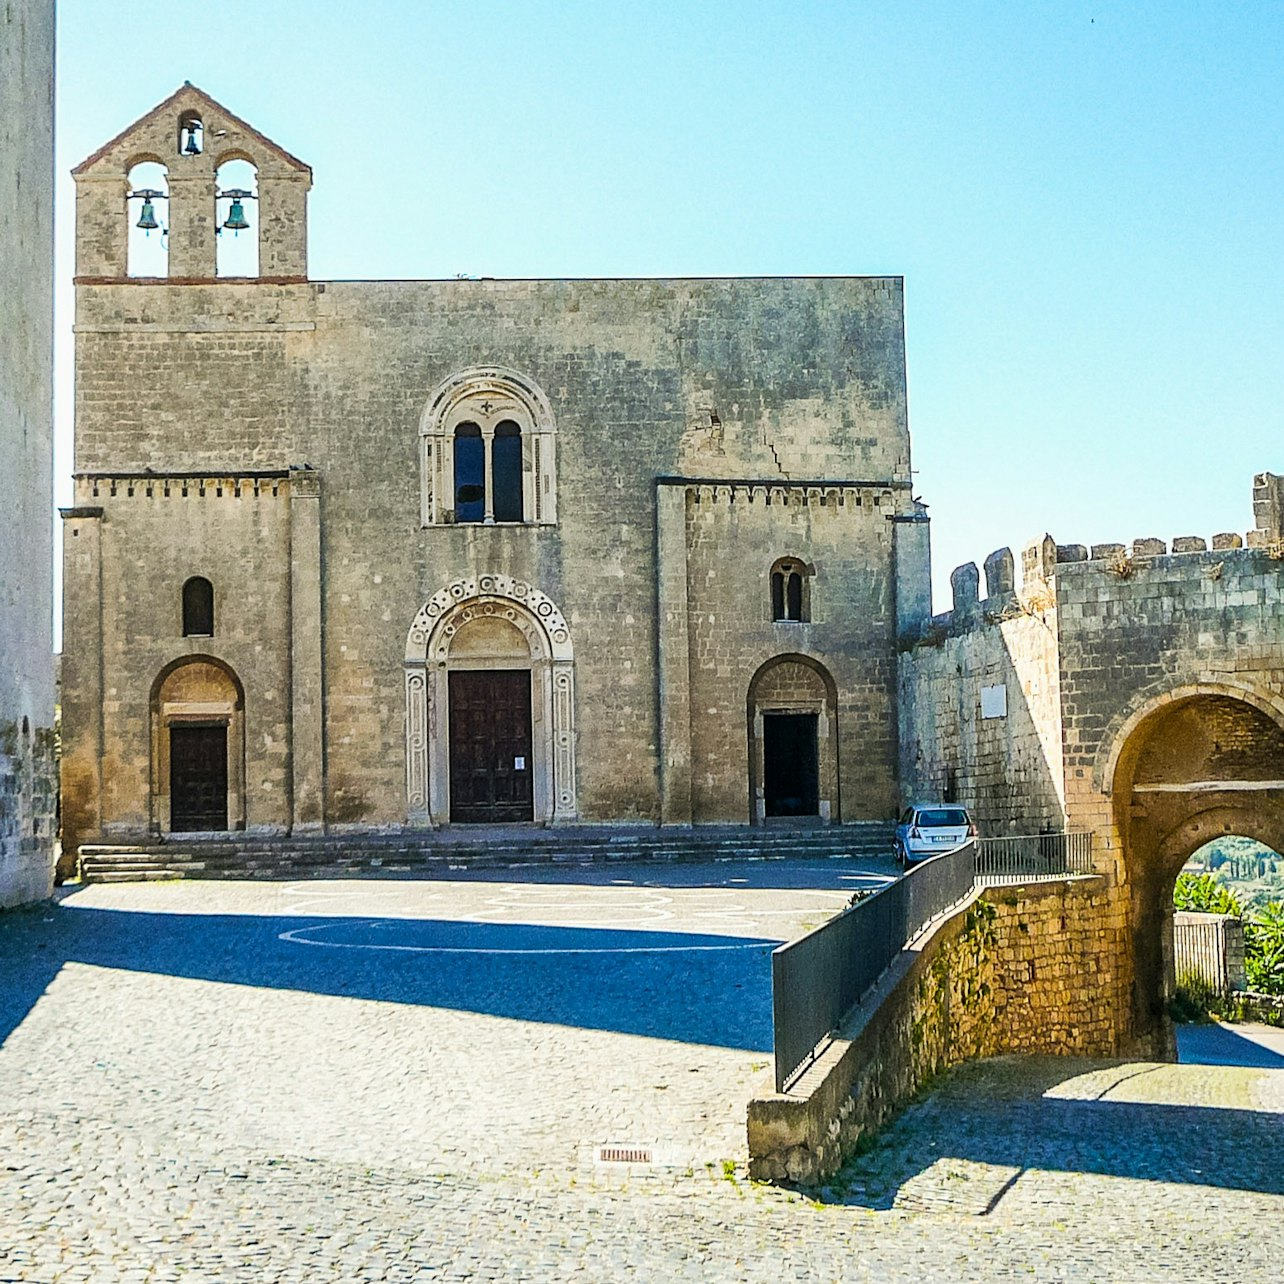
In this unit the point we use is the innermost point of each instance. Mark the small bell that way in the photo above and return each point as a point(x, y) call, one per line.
point(192, 147)
point(147, 219)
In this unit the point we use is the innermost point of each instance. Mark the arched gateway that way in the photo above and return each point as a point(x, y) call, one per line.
point(490, 708)
point(1192, 764)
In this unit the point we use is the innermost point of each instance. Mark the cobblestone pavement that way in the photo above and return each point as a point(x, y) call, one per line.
point(408, 1080)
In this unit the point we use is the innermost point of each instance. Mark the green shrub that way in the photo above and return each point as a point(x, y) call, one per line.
point(1264, 949)
point(1203, 894)
point(1193, 999)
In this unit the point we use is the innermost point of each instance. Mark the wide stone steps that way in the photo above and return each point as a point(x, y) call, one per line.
point(337, 855)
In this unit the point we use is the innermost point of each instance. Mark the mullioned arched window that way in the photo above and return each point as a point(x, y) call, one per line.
point(487, 452)
point(790, 591)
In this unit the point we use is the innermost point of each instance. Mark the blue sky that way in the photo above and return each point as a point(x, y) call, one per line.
point(1085, 200)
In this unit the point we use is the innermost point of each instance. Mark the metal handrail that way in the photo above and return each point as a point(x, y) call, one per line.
point(818, 979)
point(1021, 857)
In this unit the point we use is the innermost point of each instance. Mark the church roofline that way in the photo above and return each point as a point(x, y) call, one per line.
point(189, 90)
point(729, 278)
point(786, 483)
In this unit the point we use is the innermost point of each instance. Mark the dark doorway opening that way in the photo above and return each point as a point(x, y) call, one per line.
point(490, 746)
point(790, 764)
point(197, 778)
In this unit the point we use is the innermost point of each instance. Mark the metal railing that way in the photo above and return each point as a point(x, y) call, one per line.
point(1018, 859)
point(818, 979)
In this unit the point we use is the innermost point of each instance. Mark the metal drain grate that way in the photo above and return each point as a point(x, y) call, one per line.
point(624, 1154)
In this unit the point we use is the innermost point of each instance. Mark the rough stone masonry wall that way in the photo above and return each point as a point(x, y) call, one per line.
point(1005, 767)
point(1061, 971)
point(772, 379)
point(1094, 635)
point(26, 431)
point(1022, 969)
point(1136, 624)
point(28, 813)
point(734, 536)
point(124, 576)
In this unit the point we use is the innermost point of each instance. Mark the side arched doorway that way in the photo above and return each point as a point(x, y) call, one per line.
point(490, 735)
point(793, 741)
point(197, 748)
point(1191, 767)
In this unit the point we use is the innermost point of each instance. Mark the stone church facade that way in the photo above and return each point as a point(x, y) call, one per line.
point(382, 555)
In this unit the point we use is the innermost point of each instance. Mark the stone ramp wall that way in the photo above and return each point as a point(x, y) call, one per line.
point(28, 798)
point(1033, 969)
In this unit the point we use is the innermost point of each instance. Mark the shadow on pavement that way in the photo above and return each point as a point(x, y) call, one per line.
point(1051, 1115)
point(686, 987)
point(1223, 1045)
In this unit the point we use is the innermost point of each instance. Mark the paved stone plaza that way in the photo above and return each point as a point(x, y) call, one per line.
point(411, 1080)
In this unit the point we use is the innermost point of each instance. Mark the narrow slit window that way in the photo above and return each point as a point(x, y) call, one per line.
point(506, 472)
point(793, 596)
point(198, 608)
point(470, 474)
point(777, 595)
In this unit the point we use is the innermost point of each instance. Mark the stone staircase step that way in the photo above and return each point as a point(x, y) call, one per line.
point(332, 855)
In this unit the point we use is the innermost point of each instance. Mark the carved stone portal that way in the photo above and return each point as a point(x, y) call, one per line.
point(489, 621)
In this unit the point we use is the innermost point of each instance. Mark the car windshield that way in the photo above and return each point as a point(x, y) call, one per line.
point(942, 817)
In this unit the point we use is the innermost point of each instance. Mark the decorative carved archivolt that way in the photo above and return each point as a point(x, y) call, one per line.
point(450, 608)
point(428, 660)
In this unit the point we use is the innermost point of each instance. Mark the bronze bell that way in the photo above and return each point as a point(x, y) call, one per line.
point(236, 220)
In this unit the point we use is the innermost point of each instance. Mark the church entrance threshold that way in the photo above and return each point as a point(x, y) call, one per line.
point(490, 746)
point(197, 778)
point(791, 783)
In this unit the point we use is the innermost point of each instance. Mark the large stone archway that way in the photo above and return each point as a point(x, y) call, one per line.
point(489, 621)
point(1192, 765)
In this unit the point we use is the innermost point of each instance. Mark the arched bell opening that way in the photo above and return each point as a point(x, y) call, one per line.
point(1191, 770)
point(236, 186)
point(191, 134)
point(147, 220)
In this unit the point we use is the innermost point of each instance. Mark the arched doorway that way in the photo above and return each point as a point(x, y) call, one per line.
point(1188, 768)
point(198, 748)
point(793, 741)
point(490, 734)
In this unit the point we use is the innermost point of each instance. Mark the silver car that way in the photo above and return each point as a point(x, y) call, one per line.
point(930, 829)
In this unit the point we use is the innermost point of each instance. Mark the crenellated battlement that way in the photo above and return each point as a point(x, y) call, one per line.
point(1044, 562)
